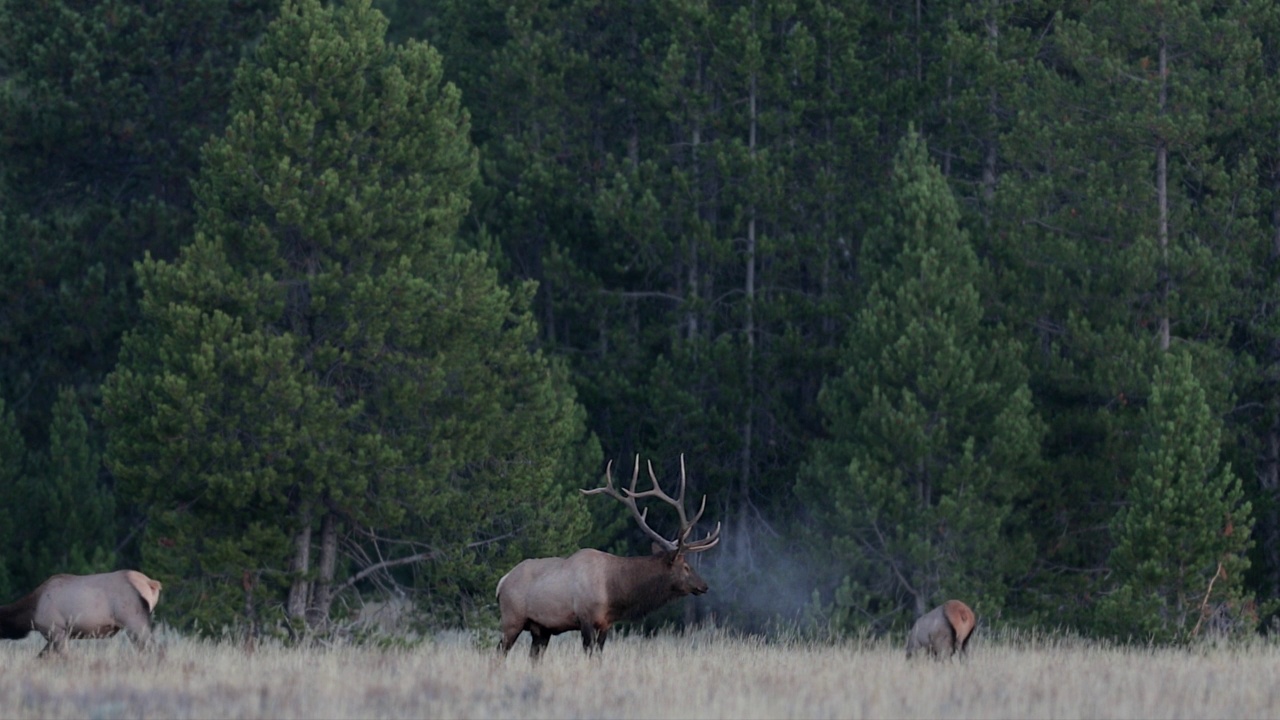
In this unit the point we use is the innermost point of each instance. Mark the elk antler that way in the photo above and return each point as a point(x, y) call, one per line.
point(628, 497)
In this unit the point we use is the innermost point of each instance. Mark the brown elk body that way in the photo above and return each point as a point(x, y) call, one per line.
point(590, 590)
point(943, 630)
point(67, 607)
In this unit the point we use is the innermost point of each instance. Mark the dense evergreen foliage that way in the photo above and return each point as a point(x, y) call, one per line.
point(322, 371)
point(306, 300)
point(103, 109)
point(934, 442)
point(1178, 554)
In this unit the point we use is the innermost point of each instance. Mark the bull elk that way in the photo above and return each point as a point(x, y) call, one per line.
point(67, 607)
point(590, 590)
point(943, 630)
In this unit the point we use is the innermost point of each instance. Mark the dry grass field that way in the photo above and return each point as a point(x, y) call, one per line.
point(697, 675)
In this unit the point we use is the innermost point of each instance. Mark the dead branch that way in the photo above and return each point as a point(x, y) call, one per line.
point(1204, 604)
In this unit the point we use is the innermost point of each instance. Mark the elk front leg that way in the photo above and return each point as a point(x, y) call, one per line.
point(540, 637)
point(594, 632)
point(588, 636)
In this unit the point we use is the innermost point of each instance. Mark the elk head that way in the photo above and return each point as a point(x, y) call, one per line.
point(674, 553)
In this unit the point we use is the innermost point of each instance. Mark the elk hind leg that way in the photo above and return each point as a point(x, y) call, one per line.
point(944, 644)
point(140, 634)
point(57, 642)
point(602, 634)
point(137, 624)
point(510, 633)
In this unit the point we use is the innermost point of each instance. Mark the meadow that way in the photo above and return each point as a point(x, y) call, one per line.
point(701, 674)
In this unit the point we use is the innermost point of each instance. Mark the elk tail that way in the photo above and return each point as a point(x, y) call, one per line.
point(148, 589)
point(961, 619)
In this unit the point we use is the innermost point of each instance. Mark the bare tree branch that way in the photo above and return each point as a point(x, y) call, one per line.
point(385, 564)
point(1204, 605)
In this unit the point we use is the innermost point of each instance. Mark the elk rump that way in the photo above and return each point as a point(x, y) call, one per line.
point(943, 630)
point(67, 607)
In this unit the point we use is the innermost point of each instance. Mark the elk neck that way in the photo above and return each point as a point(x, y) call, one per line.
point(17, 619)
point(641, 585)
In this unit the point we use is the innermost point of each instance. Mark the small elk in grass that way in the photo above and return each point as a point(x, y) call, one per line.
point(67, 607)
point(590, 590)
point(943, 630)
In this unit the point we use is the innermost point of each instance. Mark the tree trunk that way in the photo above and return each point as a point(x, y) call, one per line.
point(299, 568)
point(249, 581)
point(691, 270)
point(742, 539)
point(1269, 517)
point(990, 144)
point(322, 595)
point(1162, 199)
point(1268, 529)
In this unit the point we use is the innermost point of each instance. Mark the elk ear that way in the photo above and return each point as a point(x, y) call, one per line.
point(656, 549)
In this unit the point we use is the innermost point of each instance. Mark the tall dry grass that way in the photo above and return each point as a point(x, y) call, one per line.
point(698, 675)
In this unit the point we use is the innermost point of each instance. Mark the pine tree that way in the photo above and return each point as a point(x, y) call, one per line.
point(324, 366)
point(678, 178)
point(68, 512)
point(12, 461)
point(933, 441)
point(1123, 228)
point(985, 49)
point(1257, 332)
point(1178, 563)
point(103, 109)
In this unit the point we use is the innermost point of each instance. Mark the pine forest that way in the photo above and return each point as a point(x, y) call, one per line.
point(306, 305)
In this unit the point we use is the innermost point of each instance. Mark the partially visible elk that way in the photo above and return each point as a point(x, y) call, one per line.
point(943, 630)
point(67, 607)
point(590, 590)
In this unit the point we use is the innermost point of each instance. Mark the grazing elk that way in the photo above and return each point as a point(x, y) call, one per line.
point(590, 590)
point(943, 630)
point(67, 607)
